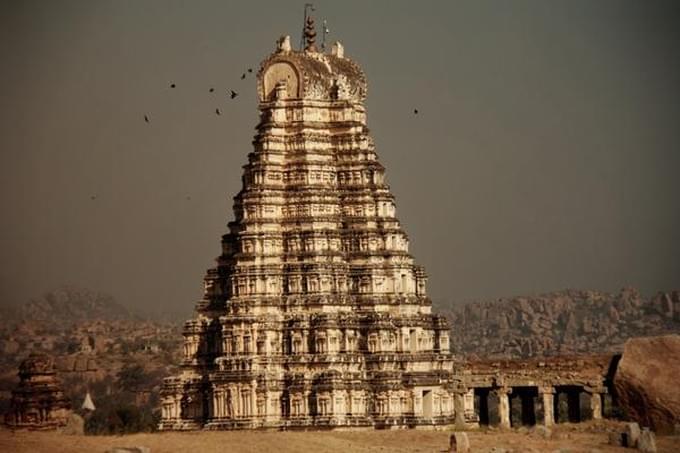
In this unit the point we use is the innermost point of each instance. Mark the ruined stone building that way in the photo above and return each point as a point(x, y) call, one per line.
point(316, 315)
point(38, 402)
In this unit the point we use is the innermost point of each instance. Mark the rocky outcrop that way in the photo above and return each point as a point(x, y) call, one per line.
point(646, 381)
point(565, 322)
point(69, 304)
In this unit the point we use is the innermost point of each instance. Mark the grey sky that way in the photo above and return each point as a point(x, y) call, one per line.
point(545, 155)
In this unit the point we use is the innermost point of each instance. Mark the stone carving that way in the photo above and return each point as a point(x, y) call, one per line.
point(283, 44)
point(315, 74)
point(338, 50)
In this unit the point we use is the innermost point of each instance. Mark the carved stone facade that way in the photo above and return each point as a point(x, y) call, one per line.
point(316, 314)
point(38, 402)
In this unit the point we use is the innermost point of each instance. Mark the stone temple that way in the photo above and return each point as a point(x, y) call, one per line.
point(38, 402)
point(316, 315)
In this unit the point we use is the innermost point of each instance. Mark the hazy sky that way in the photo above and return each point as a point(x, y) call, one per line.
point(546, 154)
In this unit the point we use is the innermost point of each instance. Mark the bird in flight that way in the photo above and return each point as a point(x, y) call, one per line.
point(415, 111)
point(218, 111)
point(146, 118)
point(212, 90)
point(243, 76)
point(233, 94)
point(250, 69)
point(172, 85)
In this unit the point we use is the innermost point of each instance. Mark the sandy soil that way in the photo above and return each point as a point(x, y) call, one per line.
point(565, 439)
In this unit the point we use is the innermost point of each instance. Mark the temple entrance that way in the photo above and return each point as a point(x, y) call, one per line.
point(486, 406)
point(572, 404)
point(523, 404)
point(427, 403)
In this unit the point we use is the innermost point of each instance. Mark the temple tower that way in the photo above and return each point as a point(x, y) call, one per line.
point(38, 402)
point(316, 314)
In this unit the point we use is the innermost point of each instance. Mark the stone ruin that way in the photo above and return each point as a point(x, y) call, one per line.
point(38, 402)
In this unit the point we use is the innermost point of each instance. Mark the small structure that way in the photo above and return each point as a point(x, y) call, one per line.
point(38, 401)
point(88, 404)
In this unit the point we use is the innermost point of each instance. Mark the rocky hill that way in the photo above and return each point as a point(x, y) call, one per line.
point(93, 341)
point(565, 322)
point(71, 304)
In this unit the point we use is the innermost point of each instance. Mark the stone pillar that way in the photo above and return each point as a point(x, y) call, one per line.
point(596, 405)
point(459, 408)
point(504, 407)
point(253, 399)
point(215, 407)
point(548, 394)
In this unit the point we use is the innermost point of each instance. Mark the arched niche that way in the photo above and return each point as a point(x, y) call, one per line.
point(281, 72)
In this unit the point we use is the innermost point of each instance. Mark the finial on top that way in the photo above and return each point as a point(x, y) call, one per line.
point(338, 50)
point(310, 35)
point(283, 44)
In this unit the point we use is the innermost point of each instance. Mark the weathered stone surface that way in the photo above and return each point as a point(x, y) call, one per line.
point(646, 381)
point(647, 442)
point(459, 443)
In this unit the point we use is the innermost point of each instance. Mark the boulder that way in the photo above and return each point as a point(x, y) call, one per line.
point(459, 443)
point(631, 435)
point(646, 381)
point(647, 442)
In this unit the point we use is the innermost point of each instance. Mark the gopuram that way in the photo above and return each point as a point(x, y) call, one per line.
point(316, 315)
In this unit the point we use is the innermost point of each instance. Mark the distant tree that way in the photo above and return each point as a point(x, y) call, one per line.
point(131, 377)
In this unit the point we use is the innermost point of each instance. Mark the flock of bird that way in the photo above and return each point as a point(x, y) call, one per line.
point(232, 94)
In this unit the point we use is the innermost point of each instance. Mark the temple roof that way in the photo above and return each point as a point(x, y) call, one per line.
point(309, 74)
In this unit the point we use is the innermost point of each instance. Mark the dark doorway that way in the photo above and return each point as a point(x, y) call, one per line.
point(523, 403)
point(568, 403)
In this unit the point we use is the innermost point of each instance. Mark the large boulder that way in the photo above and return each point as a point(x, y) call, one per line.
point(646, 381)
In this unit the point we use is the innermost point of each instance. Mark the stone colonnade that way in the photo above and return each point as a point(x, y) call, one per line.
point(512, 406)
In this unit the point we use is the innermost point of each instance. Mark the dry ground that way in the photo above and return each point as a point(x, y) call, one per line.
point(570, 439)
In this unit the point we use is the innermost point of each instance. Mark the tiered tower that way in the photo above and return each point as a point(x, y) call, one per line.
point(315, 315)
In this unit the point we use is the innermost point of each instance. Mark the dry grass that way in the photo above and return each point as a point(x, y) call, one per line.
point(567, 439)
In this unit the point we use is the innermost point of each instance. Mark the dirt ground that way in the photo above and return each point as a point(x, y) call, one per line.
point(565, 438)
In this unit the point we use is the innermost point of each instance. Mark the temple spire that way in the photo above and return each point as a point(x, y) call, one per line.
point(310, 35)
